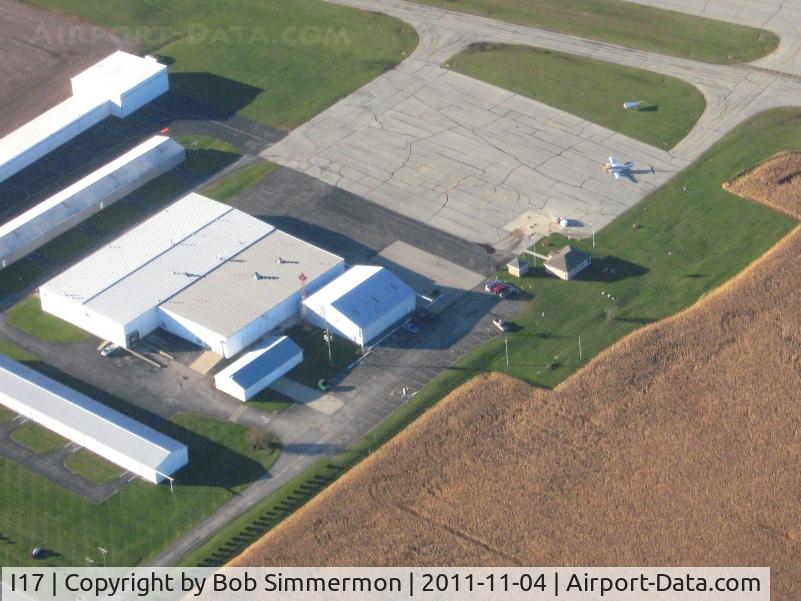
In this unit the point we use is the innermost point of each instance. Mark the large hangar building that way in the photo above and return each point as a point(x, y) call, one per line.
point(199, 269)
point(360, 304)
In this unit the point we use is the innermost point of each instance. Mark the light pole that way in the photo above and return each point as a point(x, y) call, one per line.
point(506, 344)
point(103, 551)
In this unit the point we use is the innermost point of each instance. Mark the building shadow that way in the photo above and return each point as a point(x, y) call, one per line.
point(200, 95)
point(210, 463)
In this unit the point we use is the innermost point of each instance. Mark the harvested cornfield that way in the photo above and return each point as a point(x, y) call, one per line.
point(776, 182)
point(680, 445)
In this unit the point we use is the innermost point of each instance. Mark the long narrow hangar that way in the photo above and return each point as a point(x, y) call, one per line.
point(199, 269)
point(112, 435)
point(118, 85)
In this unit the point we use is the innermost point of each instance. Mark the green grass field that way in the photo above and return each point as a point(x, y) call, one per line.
point(627, 24)
point(315, 355)
point(140, 519)
point(238, 180)
point(710, 234)
point(37, 439)
point(276, 62)
point(591, 89)
point(27, 316)
point(92, 467)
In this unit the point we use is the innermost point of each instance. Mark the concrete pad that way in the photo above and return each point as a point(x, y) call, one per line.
point(445, 155)
point(470, 158)
point(206, 362)
point(313, 399)
point(424, 272)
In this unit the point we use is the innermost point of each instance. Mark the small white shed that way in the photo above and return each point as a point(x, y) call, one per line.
point(258, 368)
point(361, 303)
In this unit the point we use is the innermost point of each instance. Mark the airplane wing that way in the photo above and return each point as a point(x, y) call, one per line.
point(612, 161)
point(617, 174)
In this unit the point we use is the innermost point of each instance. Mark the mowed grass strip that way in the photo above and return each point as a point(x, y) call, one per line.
point(92, 467)
point(591, 89)
point(629, 24)
point(273, 61)
point(316, 364)
point(37, 438)
point(27, 316)
point(237, 181)
point(139, 520)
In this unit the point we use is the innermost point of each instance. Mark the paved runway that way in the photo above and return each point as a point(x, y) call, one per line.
point(493, 167)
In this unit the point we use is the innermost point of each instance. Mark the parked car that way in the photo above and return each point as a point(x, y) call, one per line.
point(500, 324)
point(500, 289)
point(108, 349)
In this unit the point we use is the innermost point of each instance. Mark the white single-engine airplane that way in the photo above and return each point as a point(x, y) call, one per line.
point(618, 169)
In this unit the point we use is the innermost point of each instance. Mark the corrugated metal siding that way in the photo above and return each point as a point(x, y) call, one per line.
point(36, 226)
point(247, 298)
point(148, 264)
point(182, 265)
point(363, 294)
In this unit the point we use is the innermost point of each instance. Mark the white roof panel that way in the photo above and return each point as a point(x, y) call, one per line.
point(62, 116)
point(87, 416)
point(111, 177)
point(116, 74)
point(252, 283)
point(115, 261)
point(363, 294)
point(179, 267)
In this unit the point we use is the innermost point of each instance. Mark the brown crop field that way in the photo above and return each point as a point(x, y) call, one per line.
point(776, 182)
point(39, 51)
point(680, 445)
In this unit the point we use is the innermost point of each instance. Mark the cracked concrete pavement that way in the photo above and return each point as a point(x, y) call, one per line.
point(494, 167)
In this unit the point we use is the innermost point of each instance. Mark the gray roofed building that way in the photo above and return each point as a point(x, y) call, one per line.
point(567, 262)
point(254, 282)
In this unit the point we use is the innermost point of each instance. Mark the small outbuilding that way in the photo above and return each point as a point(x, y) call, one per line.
point(258, 368)
point(517, 268)
point(361, 303)
point(568, 262)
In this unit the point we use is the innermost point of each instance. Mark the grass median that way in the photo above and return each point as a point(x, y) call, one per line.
point(629, 24)
point(591, 89)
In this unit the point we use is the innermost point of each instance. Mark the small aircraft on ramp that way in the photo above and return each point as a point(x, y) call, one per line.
point(618, 169)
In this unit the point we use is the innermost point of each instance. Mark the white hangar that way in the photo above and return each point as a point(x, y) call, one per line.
point(118, 85)
point(256, 369)
point(79, 201)
point(361, 303)
point(200, 269)
point(112, 435)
